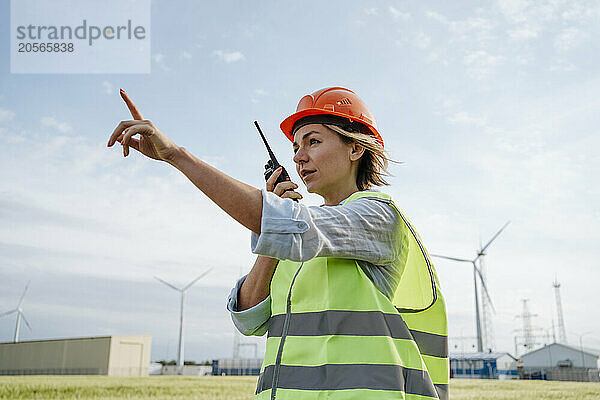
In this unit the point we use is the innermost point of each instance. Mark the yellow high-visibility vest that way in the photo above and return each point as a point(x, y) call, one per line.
point(334, 335)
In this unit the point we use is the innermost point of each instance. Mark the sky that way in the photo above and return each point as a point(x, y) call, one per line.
point(490, 106)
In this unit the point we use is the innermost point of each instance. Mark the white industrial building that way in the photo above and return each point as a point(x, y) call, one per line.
point(482, 365)
point(124, 355)
point(559, 361)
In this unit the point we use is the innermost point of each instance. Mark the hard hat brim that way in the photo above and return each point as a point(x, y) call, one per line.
point(288, 123)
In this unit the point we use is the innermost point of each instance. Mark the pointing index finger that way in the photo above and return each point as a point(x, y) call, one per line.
point(135, 113)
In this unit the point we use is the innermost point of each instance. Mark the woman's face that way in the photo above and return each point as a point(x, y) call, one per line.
point(323, 160)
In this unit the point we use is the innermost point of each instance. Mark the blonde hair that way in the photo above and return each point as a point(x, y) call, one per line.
point(373, 165)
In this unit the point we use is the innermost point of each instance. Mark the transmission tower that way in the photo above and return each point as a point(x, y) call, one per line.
point(527, 338)
point(562, 333)
point(238, 344)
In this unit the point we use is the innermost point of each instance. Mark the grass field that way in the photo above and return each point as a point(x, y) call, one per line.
point(234, 388)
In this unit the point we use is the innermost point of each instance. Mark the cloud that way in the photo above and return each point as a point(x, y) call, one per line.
point(475, 29)
point(562, 66)
point(464, 118)
point(524, 33)
point(580, 12)
point(52, 122)
point(6, 115)
point(524, 59)
point(569, 38)
point(478, 29)
point(417, 39)
point(398, 15)
point(371, 11)
point(108, 87)
point(481, 64)
point(229, 56)
point(159, 59)
point(258, 93)
point(532, 13)
point(250, 30)
point(421, 40)
point(515, 11)
point(432, 57)
point(15, 208)
point(186, 55)
point(530, 19)
point(442, 19)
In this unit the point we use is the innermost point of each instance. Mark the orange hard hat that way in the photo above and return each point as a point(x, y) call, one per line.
point(342, 103)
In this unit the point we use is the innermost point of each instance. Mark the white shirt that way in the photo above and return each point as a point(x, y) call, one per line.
point(364, 229)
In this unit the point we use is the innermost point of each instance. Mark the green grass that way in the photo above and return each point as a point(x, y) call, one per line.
point(104, 387)
point(234, 388)
point(467, 389)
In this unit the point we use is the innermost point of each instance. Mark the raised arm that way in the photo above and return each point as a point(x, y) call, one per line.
point(241, 201)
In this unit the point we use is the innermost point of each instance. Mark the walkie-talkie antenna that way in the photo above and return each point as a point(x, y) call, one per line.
point(267, 144)
point(273, 165)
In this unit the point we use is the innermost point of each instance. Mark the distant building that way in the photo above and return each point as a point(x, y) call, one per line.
point(560, 362)
point(561, 355)
point(155, 368)
point(188, 370)
point(237, 366)
point(483, 366)
point(126, 355)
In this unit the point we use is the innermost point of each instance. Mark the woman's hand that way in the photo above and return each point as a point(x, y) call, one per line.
point(152, 142)
point(283, 189)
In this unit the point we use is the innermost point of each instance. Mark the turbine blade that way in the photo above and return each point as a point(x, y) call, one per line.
point(451, 258)
point(26, 323)
point(494, 237)
point(167, 283)
point(196, 280)
point(9, 312)
point(23, 295)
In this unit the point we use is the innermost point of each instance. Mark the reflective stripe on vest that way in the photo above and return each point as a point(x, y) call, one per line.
point(350, 376)
point(358, 323)
point(333, 331)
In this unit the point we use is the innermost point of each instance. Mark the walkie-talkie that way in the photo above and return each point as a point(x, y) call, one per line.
point(273, 164)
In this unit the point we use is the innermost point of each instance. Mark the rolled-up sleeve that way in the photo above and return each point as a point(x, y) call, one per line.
point(363, 229)
point(251, 322)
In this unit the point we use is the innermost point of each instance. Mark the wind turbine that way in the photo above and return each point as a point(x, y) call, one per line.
point(20, 314)
point(180, 358)
point(477, 272)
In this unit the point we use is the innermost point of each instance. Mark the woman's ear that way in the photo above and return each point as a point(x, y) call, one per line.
point(356, 152)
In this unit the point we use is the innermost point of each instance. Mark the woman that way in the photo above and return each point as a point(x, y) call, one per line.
point(346, 291)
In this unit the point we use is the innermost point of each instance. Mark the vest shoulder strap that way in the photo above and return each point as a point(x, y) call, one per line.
point(418, 289)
